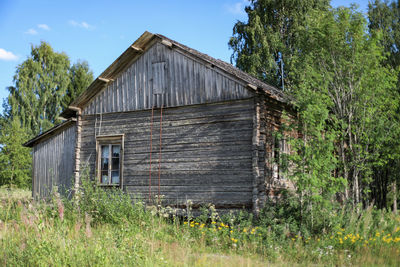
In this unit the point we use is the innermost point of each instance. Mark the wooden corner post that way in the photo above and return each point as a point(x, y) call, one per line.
point(255, 156)
point(77, 149)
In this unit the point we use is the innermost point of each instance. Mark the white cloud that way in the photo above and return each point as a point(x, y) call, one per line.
point(7, 55)
point(31, 32)
point(82, 24)
point(237, 8)
point(44, 27)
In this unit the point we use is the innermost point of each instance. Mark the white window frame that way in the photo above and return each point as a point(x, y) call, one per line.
point(110, 140)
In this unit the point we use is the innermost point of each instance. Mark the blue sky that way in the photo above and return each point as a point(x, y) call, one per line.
point(99, 31)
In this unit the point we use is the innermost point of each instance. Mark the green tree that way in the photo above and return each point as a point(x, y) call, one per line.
point(45, 83)
point(341, 63)
point(384, 17)
point(80, 78)
point(271, 34)
point(15, 159)
point(41, 82)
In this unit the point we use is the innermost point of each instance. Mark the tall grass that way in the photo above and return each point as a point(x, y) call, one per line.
point(108, 228)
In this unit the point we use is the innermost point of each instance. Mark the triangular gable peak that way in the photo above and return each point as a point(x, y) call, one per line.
point(156, 71)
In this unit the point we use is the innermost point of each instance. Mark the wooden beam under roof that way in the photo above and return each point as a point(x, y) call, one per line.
point(137, 49)
point(104, 79)
point(252, 86)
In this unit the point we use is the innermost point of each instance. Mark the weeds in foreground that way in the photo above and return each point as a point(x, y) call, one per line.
point(106, 229)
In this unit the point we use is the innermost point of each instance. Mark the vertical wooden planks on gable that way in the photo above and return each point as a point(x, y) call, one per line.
point(134, 84)
point(126, 91)
point(188, 81)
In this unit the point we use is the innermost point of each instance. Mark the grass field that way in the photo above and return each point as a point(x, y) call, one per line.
point(106, 230)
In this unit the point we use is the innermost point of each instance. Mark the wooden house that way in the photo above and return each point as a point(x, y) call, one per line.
point(165, 119)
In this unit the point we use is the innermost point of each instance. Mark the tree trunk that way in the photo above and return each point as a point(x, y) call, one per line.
point(345, 171)
point(356, 190)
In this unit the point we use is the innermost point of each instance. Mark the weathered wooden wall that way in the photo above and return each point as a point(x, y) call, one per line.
point(206, 151)
point(271, 180)
point(169, 77)
point(53, 163)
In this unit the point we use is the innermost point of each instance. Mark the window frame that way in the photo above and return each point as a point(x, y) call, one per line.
point(110, 140)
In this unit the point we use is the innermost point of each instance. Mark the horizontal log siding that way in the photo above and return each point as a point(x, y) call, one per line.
point(188, 81)
point(271, 119)
point(53, 163)
point(206, 152)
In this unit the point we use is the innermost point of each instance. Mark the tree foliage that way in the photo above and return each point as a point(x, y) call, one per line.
point(14, 158)
point(341, 63)
point(80, 78)
point(44, 85)
point(342, 72)
point(271, 34)
point(385, 18)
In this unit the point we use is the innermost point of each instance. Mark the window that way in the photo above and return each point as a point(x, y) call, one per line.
point(281, 152)
point(109, 159)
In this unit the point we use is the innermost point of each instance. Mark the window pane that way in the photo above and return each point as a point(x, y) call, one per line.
point(115, 151)
point(104, 164)
point(115, 164)
point(115, 177)
point(104, 151)
point(104, 177)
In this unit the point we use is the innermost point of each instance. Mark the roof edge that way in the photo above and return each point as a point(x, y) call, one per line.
point(141, 45)
point(49, 133)
point(110, 73)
